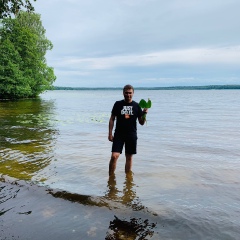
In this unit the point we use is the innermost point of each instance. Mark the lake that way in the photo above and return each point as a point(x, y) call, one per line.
point(185, 184)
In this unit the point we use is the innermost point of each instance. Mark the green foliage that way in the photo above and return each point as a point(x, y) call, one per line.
point(12, 81)
point(145, 104)
point(9, 7)
point(23, 49)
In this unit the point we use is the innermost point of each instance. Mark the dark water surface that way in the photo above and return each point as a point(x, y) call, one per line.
point(185, 184)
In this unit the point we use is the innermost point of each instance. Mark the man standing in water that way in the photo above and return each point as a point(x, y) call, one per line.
point(126, 112)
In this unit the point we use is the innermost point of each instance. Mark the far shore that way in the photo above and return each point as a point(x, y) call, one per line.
point(208, 87)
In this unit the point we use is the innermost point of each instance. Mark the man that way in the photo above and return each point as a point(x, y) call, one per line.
point(126, 112)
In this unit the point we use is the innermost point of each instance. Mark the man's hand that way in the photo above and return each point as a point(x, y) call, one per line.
point(110, 137)
point(110, 128)
point(145, 110)
point(142, 119)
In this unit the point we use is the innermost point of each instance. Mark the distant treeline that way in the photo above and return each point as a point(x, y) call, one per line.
point(209, 87)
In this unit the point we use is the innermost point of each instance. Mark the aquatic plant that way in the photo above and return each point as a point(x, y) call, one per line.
point(145, 104)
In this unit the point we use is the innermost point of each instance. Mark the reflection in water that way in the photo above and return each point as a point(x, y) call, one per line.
point(26, 137)
point(120, 227)
point(129, 197)
point(112, 193)
point(134, 228)
point(53, 218)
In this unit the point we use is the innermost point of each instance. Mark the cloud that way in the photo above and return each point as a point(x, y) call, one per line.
point(102, 42)
point(96, 28)
point(192, 56)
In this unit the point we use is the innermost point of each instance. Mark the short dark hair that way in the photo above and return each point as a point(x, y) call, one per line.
point(128, 86)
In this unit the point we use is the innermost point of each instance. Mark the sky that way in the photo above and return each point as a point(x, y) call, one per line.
point(145, 43)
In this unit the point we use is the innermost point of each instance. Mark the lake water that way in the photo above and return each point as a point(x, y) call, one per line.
point(54, 156)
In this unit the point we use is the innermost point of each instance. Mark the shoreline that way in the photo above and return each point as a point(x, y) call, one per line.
point(207, 87)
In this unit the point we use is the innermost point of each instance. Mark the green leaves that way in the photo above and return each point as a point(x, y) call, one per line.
point(13, 84)
point(23, 46)
point(9, 7)
point(145, 104)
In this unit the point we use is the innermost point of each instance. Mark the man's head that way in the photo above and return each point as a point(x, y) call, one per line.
point(128, 91)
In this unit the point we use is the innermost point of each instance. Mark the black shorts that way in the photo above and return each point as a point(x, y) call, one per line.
point(129, 141)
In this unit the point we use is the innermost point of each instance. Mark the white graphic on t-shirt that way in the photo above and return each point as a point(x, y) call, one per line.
point(127, 110)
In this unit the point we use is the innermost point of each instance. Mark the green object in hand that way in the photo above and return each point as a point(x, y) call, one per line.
point(145, 104)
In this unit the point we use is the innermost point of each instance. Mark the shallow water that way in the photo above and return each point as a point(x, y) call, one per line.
point(54, 156)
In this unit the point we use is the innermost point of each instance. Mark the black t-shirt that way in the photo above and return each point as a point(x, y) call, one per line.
point(127, 115)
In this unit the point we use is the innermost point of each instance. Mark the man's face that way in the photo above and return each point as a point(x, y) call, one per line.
point(128, 94)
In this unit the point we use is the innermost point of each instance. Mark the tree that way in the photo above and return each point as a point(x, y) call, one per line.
point(25, 38)
point(9, 7)
point(12, 81)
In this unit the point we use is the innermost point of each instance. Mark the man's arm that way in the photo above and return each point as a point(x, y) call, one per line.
point(110, 127)
point(142, 119)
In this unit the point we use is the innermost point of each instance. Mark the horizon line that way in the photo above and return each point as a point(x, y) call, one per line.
point(225, 86)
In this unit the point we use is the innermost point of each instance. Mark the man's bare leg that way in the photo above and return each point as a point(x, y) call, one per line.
point(113, 162)
point(128, 165)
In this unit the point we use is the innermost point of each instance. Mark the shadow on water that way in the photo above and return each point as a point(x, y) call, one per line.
point(119, 227)
point(27, 135)
point(127, 217)
point(29, 211)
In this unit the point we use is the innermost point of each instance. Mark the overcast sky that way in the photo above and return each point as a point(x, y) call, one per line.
point(110, 43)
